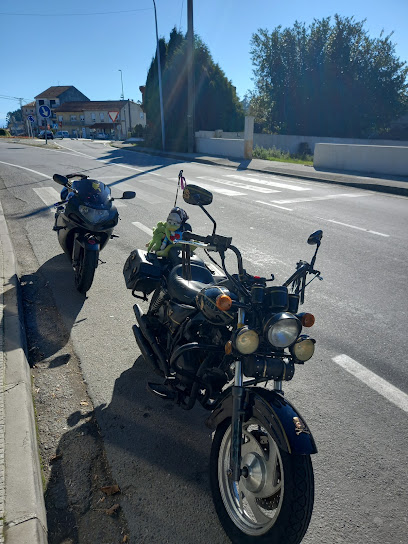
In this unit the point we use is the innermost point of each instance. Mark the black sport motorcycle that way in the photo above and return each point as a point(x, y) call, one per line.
point(84, 221)
point(214, 339)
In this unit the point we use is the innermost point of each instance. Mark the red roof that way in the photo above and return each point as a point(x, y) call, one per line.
point(54, 92)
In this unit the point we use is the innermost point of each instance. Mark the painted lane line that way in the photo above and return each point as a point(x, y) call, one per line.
point(313, 198)
point(274, 205)
point(239, 185)
point(221, 190)
point(28, 169)
point(48, 195)
point(143, 228)
point(381, 386)
point(354, 227)
point(271, 183)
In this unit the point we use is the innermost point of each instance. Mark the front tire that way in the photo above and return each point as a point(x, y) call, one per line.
point(85, 270)
point(273, 501)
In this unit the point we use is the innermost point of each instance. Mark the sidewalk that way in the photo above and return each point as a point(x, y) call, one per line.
point(372, 182)
point(21, 494)
point(22, 506)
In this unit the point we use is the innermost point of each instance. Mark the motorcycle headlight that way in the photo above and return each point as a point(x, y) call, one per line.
point(92, 215)
point(282, 329)
point(246, 341)
point(303, 348)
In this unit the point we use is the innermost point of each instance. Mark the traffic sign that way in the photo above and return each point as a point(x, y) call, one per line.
point(31, 119)
point(113, 115)
point(45, 111)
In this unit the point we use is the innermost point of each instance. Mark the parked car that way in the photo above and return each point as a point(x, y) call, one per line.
point(50, 135)
point(101, 136)
point(62, 134)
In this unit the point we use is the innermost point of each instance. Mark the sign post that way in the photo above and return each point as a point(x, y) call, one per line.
point(46, 113)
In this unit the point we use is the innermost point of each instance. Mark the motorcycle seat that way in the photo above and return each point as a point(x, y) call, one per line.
point(185, 291)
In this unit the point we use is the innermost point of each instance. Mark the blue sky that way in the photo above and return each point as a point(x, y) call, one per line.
point(71, 43)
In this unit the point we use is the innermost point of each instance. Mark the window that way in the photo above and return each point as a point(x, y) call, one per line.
point(60, 118)
point(82, 117)
point(93, 116)
point(73, 117)
point(52, 103)
point(102, 116)
point(41, 102)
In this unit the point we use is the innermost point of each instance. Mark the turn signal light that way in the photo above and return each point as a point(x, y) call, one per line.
point(223, 302)
point(308, 320)
point(228, 348)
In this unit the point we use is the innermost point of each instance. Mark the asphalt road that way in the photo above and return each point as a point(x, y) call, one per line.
point(159, 454)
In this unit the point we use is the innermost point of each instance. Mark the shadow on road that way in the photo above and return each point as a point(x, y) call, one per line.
point(48, 329)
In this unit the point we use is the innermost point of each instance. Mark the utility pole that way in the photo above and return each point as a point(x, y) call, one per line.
point(160, 81)
point(190, 77)
point(122, 96)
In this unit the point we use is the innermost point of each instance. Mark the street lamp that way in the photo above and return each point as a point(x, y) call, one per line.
point(160, 82)
point(122, 97)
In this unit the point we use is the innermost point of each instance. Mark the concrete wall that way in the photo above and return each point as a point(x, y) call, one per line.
point(378, 159)
point(220, 146)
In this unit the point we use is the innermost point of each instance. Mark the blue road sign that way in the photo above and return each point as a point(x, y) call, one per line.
point(31, 119)
point(45, 111)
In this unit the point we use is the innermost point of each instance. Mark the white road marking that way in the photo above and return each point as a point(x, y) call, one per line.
point(313, 198)
point(48, 195)
point(274, 205)
point(222, 191)
point(354, 227)
point(381, 386)
point(150, 198)
point(143, 228)
point(287, 185)
point(25, 168)
point(239, 185)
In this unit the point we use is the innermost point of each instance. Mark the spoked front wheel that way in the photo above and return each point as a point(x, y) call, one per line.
point(85, 270)
point(273, 500)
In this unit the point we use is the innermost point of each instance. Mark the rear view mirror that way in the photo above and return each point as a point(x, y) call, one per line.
point(61, 180)
point(127, 195)
point(315, 238)
point(197, 196)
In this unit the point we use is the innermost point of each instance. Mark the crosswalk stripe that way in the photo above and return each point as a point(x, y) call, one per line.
point(313, 198)
point(48, 195)
point(143, 228)
point(239, 185)
point(269, 183)
point(150, 198)
point(381, 386)
point(221, 190)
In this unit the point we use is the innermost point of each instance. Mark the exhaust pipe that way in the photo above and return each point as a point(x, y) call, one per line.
point(147, 353)
point(164, 367)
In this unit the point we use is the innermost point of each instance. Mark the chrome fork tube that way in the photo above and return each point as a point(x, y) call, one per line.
point(238, 392)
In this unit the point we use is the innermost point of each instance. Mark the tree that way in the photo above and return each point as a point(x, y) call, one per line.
point(14, 117)
point(216, 103)
point(326, 79)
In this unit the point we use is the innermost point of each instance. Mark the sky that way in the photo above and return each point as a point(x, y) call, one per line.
point(86, 42)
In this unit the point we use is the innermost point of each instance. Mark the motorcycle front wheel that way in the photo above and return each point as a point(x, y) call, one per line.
point(273, 500)
point(85, 270)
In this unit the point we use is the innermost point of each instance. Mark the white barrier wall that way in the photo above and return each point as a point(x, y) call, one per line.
point(378, 159)
point(221, 147)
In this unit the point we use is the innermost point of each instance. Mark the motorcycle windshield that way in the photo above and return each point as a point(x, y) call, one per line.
point(93, 193)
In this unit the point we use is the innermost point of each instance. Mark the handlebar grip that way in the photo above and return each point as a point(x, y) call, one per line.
point(187, 235)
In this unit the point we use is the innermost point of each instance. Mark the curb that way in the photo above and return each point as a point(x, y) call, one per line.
point(368, 183)
point(25, 520)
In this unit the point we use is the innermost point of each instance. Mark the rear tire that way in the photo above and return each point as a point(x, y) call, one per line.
point(85, 271)
point(273, 504)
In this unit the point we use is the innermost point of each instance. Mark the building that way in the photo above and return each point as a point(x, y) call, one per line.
point(53, 97)
point(29, 110)
point(113, 119)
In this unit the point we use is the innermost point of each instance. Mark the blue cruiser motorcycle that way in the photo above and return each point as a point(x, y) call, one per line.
point(84, 221)
point(214, 339)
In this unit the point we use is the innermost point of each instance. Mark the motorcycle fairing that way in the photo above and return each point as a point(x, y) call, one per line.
point(277, 414)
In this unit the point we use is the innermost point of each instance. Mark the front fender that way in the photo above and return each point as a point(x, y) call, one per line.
point(275, 413)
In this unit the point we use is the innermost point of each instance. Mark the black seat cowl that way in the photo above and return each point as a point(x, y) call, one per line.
point(184, 290)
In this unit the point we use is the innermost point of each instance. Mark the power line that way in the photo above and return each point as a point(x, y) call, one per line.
point(71, 14)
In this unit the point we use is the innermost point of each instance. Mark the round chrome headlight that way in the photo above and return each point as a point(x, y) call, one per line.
point(246, 341)
point(283, 329)
point(303, 348)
